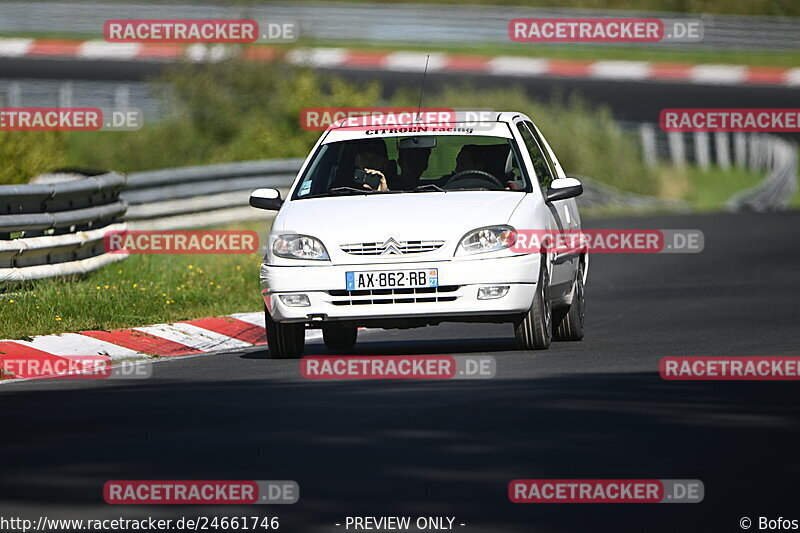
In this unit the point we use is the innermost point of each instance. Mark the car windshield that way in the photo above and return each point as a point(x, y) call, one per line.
point(406, 164)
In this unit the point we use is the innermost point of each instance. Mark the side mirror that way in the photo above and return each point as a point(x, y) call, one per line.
point(563, 188)
point(266, 199)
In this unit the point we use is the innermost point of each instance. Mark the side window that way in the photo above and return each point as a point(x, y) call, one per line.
point(542, 143)
point(537, 156)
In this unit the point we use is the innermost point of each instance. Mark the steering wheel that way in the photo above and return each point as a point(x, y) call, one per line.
point(479, 174)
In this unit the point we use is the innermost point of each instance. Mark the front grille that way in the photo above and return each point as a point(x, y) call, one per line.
point(394, 296)
point(392, 247)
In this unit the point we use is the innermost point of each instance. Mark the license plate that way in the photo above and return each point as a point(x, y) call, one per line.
point(392, 279)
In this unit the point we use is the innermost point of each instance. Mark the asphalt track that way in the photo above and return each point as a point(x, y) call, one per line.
point(591, 409)
point(631, 100)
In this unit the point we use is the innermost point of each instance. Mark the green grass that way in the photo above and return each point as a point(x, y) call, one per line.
point(140, 290)
point(795, 201)
point(710, 189)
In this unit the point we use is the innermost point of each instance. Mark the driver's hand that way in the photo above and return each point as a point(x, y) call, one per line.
point(382, 186)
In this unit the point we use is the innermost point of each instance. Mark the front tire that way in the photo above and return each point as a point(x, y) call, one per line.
point(338, 337)
point(569, 322)
point(285, 341)
point(535, 330)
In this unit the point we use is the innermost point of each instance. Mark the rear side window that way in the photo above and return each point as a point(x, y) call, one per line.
point(538, 157)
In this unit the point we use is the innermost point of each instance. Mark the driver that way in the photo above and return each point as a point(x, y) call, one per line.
point(413, 163)
point(473, 157)
point(469, 157)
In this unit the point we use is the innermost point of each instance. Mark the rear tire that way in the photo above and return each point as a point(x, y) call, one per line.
point(338, 337)
point(285, 341)
point(569, 322)
point(535, 330)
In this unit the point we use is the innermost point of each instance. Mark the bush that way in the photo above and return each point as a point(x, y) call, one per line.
point(24, 154)
point(230, 111)
point(236, 111)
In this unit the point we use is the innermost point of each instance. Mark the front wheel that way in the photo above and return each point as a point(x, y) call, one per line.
point(339, 337)
point(285, 341)
point(535, 330)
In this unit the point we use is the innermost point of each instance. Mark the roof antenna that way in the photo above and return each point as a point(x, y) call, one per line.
point(422, 88)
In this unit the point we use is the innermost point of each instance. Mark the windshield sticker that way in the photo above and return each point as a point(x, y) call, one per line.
point(420, 129)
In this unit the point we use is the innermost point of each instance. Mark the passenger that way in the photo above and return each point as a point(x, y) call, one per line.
point(413, 163)
point(373, 163)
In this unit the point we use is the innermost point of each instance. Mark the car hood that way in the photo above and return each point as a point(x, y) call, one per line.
point(402, 216)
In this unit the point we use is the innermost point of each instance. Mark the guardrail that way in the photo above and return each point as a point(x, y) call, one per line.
point(57, 229)
point(780, 159)
point(202, 195)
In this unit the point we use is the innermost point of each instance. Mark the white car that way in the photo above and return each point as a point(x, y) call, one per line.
point(400, 227)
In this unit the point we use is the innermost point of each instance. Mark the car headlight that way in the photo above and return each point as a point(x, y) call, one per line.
point(299, 247)
point(488, 239)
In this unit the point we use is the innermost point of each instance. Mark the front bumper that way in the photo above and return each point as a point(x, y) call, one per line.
point(456, 296)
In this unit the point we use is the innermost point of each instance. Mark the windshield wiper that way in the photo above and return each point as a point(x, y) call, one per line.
point(428, 187)
point(349, 190)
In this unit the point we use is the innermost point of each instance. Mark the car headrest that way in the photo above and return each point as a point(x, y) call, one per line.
point(495, 159)
point(509, 163)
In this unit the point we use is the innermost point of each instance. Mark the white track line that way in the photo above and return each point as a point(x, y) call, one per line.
point(104, 50)
point(318, 57)
point(718, 74)
point(518, 66)
point(620, 70)
point(414, 61)
point(194, 337)
point(15, 47)
point(76, 344)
